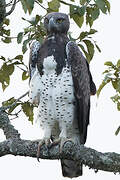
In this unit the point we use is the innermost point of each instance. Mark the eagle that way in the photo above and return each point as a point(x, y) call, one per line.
point(61, 85)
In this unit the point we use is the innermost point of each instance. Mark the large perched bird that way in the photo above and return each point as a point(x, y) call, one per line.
point(61, 85)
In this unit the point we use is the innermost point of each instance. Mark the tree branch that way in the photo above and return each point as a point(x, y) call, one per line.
point(7, 127)
point(16, 146)
point(3, 7)
point(12, 8)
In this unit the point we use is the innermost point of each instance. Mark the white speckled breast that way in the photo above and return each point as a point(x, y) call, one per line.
point(56, 95)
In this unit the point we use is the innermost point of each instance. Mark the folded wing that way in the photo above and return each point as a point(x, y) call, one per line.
point(83, 86)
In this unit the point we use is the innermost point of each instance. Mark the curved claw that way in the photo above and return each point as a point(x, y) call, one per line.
point(39, 147)
point(45, 141)
point(63, 141)
point(60, 141)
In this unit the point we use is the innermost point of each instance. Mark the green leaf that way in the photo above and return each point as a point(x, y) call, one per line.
point(73, 10)
point(103, 84)
point(117, 131)
point(106, 71)
point(83, 35)
point(118, 85)
point(6, 40)
point(95, 13)
point(28, 110)
point(6, 32)
point(24, 5)
point(109, 63)
point(115, 84)
point(41, 1)
point(8, 102)
point(20, 37)
point(8, 69)
point(82, 2)
point(37, 19)
point(6, 21)
point(25, 75)
point(80, 11)
point(89, 19)
point(4, 79)
point(24, 47)
point(78, 20)
point(97, 47)
point(108, 5)
point(118, 63)
point(115, 98)
point(19, 57)
point(90, 48)
point(3, 58)
point(54, 5)
point(4, 86)
point(30, 5)
point(5, 72)
point(92, 31)
point(27, 5)
point(118, 106)
point(101, 5)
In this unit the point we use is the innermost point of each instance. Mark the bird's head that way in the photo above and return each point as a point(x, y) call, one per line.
point(56, 23)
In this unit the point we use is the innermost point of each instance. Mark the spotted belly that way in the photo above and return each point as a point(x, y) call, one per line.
point(57, 101)
point(55, 96)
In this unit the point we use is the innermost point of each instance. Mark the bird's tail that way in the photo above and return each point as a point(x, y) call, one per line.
point(71, 168)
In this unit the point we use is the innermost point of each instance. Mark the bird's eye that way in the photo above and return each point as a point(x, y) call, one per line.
point(59, 20)
point(46, 20)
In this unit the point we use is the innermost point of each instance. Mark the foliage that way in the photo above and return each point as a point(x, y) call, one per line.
point(28, 110)
point(13, 103)
point(112, 75)
point(84, 13)
point(35, 31)
point(4, 31)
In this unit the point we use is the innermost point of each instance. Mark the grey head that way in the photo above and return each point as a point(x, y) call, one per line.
point(56, 23)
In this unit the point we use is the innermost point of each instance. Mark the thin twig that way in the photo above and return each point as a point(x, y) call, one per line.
point(11, 3)
point(21, 69)
point(12, 8)
point(8, 107)
point(15, 114)
point(40, 5)
point(65, 3)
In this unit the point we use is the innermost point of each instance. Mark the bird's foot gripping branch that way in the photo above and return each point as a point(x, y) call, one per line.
point(14, 145)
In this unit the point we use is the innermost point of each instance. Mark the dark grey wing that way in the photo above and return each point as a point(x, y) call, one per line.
point(83, 86)
point(92, 84)
point(34, 51)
